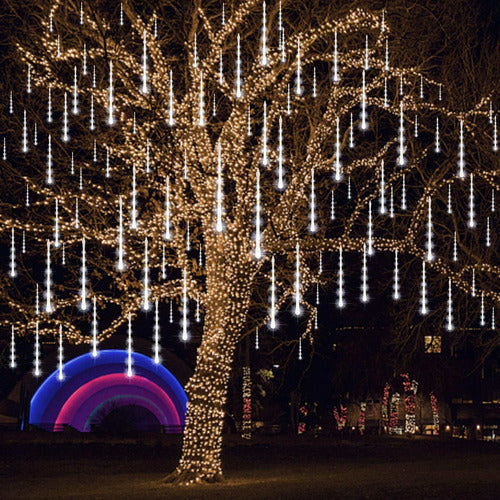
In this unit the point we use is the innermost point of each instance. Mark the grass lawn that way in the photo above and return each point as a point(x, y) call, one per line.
point(76, 466)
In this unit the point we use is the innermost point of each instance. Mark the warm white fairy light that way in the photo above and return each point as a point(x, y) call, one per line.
point(12, 363)
point(263, 46)
point(57, 242)
point(129, 372)
point(50, 180)
point(219, 191)
point(401, 157)
point(336, 76)
point(338, 174)
point(396, 293)
point(65, 129)
point(472, 221)
point(281, 180)
point(312, 206)
point(371, 251)
point(382, 188)
point(133, 222)
point(168, 229)
point(364, 277)
point(461, 152)
point(239, 92)
point(455, 247)
point(83, 282)
point(423, 291)
point(24, 148)
point(430, 254)
point(258, 222)
point(332, 206)
point(37, 372)
point(297, 297)
point(364, 115)
point(403, 194)
point(340, 281)
point(171, 120)
point(111, 119)
point(449, 321)
point(144, 88)
point(94, 327)
point(488, 238)
point(482, 319)
point(157, 358)
point(298, 77)
point(272, 312)
point(201, 104)
point(60, 359)
point(184, 322)
point(437, 147)
point(12, 271)
point(48, 282)
point(367, 62)
point(146, 304)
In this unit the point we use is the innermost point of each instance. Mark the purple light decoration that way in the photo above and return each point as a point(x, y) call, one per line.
point(91, 382)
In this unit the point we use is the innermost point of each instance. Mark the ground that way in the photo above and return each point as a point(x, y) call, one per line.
point(67, 466)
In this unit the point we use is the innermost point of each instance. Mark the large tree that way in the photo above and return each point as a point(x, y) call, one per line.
point(223, 159)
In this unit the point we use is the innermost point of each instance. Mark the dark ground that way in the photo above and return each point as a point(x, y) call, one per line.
point(61, 466)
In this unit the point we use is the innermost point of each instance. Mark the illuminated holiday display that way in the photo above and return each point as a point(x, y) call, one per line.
point(257, 163)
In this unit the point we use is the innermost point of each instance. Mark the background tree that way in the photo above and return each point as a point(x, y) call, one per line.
point(192, 155)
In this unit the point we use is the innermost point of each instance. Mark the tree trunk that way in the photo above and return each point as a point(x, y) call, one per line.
point(226, 309)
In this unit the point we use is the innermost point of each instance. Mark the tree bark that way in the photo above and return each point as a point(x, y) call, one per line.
point(228, 287)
